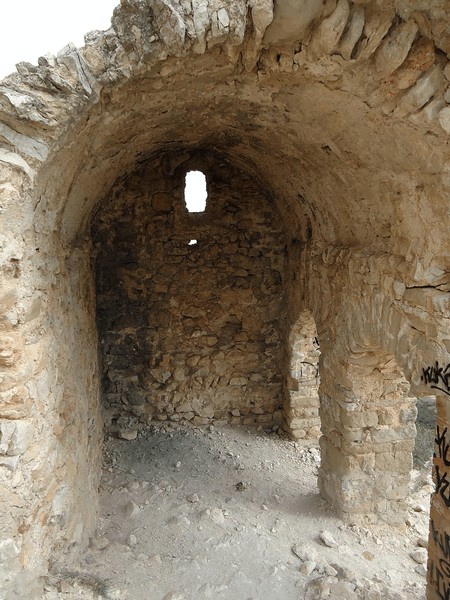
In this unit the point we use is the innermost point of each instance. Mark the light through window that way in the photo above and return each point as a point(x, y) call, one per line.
point(195, 193)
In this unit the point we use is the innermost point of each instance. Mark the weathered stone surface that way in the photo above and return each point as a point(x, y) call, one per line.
point(353, 31)
point(335, 130)
point(213, 329)
point(395, 47)
point(326, 37)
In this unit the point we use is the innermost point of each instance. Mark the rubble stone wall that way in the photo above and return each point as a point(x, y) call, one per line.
point(301, 404)
point(341, 113)
point(50, 428)
point(189, 304)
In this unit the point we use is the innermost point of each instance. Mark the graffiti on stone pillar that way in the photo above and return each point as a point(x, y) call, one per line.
point(440, 554)
point(437, 377)
point(442, 485)
point(309, 372)
point(441, 463)
point(440, 562)
point(442, 445)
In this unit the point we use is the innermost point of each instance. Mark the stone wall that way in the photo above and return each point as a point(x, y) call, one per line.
point(341, 114)
point(189, 304)
point(301, 404)
point(50, 428)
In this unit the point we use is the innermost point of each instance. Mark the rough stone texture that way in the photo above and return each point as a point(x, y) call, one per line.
point(301, 405)
point(190, 330)
point(348, 142)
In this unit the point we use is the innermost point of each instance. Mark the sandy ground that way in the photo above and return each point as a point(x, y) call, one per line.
point(234, 514)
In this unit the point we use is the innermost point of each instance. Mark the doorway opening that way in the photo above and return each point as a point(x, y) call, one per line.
point(425, 429)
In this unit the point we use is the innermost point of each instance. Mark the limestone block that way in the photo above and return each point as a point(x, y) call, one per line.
point(75, 63)
point(356, 419)
point(299, 423)
point(444, 119)
point(16, 161)
point(381, 435)
point(353, 32)
point(34, 148)
point(11, 348)
point(400, 462)
point(328, 33)
point(201, 410)
point(422, 92)
point(296, 434)
point(15, 437)
point(408, 414)
point(9, 562)
point(28, 107)
point(377, 24)
point(292, 19)
point(420, 58)
point(16, 403)
point(395, 47)
point(9, 462)
point(172, 28)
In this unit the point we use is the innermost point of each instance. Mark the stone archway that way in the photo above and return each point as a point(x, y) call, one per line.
point(322, 106)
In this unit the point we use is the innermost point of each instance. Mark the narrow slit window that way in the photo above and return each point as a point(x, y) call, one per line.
point(195, 193)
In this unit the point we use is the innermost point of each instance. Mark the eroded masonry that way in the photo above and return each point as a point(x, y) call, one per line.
point(312, 294)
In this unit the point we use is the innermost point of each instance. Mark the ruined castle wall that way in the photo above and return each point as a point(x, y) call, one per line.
point(343, 113)
point(50, 428)
point(189, 304)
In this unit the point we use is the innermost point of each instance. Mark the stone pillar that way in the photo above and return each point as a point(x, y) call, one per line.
point(301, 394)
point(301, 405)
point(439, 541)
point(368, 427)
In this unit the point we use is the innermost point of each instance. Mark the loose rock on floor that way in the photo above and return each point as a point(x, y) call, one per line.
point(192, 533)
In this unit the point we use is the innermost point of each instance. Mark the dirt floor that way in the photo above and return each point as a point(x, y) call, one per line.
point(234, 514)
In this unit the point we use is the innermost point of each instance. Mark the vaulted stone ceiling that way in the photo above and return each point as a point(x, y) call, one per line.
point(338, 108)
point(340, 112)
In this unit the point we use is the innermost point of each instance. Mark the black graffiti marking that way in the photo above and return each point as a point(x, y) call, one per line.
point(442, 582)
point(442, 445)
point(316, 367)
point(441, 539)
point(442, 486)
point(445, 567)
point(435, 375)
point(442, 450)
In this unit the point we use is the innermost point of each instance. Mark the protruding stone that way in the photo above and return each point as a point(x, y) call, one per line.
point(326, 37)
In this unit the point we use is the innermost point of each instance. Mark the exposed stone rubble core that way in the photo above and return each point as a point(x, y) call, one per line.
point(301, 405)
point(340, 113)
point(189, 304)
